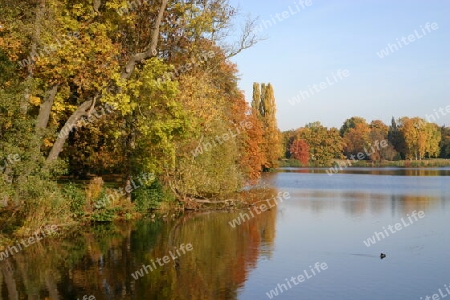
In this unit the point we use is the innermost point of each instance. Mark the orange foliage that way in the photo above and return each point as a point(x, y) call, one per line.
point(300, 151)
point(251, 158)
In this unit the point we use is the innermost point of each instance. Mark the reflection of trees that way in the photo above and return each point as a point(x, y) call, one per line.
point(423, 172)
point(100, 260)
point(10, 281)
point(219, 263)
point(360, 203)
point(408, 203)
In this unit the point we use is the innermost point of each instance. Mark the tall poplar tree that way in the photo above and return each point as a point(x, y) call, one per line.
point(256, 97)
point(264, 105)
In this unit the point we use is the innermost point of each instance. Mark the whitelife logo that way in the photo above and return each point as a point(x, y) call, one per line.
point(397, 226)
point(262, 208)
point(166, 259)
point(220, 139)
point(86, 297)
point(316, 88)
point(340, 167)
point(391, 48)
point(299, 6)
point(31, 240)
point(318, 266)
point(439, 296)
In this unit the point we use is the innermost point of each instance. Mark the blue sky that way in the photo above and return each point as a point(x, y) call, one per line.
point(318, 40)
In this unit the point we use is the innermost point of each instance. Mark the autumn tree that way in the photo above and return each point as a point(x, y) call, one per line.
point(264, 104)
point(164, 71)
point(222, 150)
point(396, 138)
point(421, 138)
point(351, 123)
point(445, 142)
point(300, 150)
point(433, 139)
point(356, 139)
point(288, 137)
point(256, 99)
point(378, 133)
point(324, 144)
point(251, 156)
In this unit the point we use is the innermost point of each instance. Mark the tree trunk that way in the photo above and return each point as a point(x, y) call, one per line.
point(126, 74)
point(45, 109)
point(34, 43)
point(61, 139)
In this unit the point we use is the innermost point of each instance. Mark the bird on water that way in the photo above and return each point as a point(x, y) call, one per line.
point(382, 255)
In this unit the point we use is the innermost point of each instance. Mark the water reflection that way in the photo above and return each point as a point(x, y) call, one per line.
point(359, 204)
point(444, 171)
point(326, 219)
point(100, 260)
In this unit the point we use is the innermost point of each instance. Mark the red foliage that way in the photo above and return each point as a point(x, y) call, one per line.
point(300, 151)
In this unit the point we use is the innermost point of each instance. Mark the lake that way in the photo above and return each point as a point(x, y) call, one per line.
point(319, 237)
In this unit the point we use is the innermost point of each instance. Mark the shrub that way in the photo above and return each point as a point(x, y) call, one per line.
point(76, 199)
point(148, 197)
point(41, 203)
point(106, 214)
point(94, 190)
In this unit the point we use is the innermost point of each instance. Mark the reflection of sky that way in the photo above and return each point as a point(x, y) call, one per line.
point(328, 218)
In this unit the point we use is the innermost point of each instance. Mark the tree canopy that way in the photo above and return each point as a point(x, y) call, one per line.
point(115, 87)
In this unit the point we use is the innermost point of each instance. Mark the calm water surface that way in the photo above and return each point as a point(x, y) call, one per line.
point(325, 220)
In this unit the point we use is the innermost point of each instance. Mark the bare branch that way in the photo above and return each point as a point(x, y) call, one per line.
point(247, 39)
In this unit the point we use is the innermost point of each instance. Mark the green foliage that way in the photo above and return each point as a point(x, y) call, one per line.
point(77, 57)
point(30, 185)
point(41, 203)
point(76, 197)
point(107, 214)
point(101, 201)
point(289, 163)
point(148, 197)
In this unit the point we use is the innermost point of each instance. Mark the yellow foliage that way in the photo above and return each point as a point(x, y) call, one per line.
point(48, 143)
point(94, 189)
point(36, 101)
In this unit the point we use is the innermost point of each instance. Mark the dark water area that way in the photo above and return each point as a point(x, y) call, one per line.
point(340, 221)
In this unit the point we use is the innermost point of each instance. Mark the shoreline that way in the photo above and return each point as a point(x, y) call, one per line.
point(406, 164)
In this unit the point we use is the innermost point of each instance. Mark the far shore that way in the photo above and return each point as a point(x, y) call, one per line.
point(424, 163)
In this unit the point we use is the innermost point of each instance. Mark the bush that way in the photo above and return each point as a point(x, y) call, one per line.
point(148, 197)
point(94, 190)
point(106, 214)
point(291, 162)
point(41, 203)
point(76, 198)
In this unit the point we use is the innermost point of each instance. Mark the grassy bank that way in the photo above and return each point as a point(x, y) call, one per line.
point(67, 204)
point(70, 204)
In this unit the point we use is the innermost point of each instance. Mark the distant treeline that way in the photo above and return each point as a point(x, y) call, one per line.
point(404, 139)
